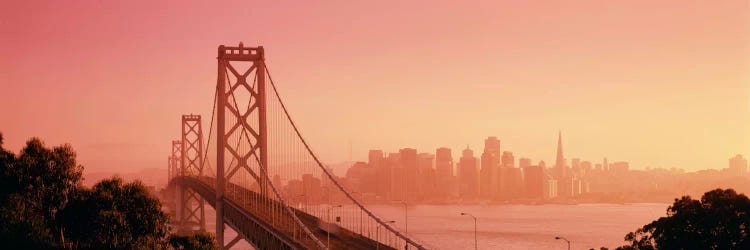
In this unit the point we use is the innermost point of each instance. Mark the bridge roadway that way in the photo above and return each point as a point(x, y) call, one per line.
point(252, 216)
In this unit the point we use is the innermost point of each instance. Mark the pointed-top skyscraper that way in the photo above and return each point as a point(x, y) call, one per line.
point(560, 160)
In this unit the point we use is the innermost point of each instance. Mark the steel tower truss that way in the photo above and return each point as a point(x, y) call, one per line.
point(234, 122)
point(191, 205)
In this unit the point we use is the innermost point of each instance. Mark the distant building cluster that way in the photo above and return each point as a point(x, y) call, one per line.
point(496, 176)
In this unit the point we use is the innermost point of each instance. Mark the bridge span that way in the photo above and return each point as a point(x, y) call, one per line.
point(261, 175)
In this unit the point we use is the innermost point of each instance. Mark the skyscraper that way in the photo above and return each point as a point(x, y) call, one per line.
point(533, 182)
point(489, 172)
point(467, 169)
point(586, 168)
point(564, 180)
point(426, 176)
point(396, 178)
point(559, 168)
point(738, 165)
point(443, 172)
point(409, 163)
point(508, 161)
point(377, 160)
point(605, 165)
point(524, 162)
point(509, 177)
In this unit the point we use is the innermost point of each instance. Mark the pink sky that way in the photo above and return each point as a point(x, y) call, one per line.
point(655, 83)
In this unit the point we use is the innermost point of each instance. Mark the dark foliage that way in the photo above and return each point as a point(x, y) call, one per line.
point(35, 186)
point(198, 241)
point(114, 215)
point(43, 206)
point(719, 220)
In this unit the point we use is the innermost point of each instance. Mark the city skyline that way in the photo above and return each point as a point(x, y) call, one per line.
point(477, 124)
point(437, 177)
point(550, 161)
point(658, 83)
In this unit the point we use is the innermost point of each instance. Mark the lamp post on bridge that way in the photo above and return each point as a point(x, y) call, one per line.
point(328, 231)
point(563, 238)
point(475, 228)
point(406, 216)
point(361, 198)
point(377, 234)
point(406, 220)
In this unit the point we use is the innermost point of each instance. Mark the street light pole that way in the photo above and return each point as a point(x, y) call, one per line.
point(475, 229)
point(377, 234)
point(361, 227)
point(328, 231)
point(406, 216)
point(566, 240)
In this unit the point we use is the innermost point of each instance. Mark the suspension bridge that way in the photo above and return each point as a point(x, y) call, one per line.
point(260, 175)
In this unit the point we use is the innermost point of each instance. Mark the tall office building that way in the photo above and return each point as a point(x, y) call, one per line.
point(738, 165)
point(488, 173)
point(443, 172)
point(550, 187)
point(533, 182)
point(509, 177)
point(605, 165)
point(575, 167)
point(565, 186)
point(586, 167)
point(409, 163)
point(376, 159)
point(560, 172)
point(524, 162)
point(396, 178)
point(559, 168)
point(508, 161)
point(426, 176)
point(361, 178)
point(619, 167)
point(467, 170)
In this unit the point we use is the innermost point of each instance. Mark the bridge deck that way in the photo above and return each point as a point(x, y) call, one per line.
point(257, 219)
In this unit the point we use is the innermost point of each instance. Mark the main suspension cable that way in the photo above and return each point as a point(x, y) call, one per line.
point(330, 176)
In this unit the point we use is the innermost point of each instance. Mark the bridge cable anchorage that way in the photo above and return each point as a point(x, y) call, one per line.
point(329, 175)
point(264, 174)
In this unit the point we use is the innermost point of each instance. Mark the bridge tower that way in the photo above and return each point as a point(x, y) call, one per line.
point(191, 205)
point(174, 171)
point(235, 124)
point(174, 159)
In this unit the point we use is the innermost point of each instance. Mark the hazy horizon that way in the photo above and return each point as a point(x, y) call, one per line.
point(654, 84)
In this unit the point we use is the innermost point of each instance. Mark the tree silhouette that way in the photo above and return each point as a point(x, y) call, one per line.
point(44, 206)
point(198, 241)
point(719, 220)
point(35, 185)
point(114, 215)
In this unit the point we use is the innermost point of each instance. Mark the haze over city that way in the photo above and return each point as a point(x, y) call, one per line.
point(657, 84)
point(366, 125)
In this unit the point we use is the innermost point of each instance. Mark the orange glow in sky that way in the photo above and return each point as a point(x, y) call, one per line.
point(655, 83)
